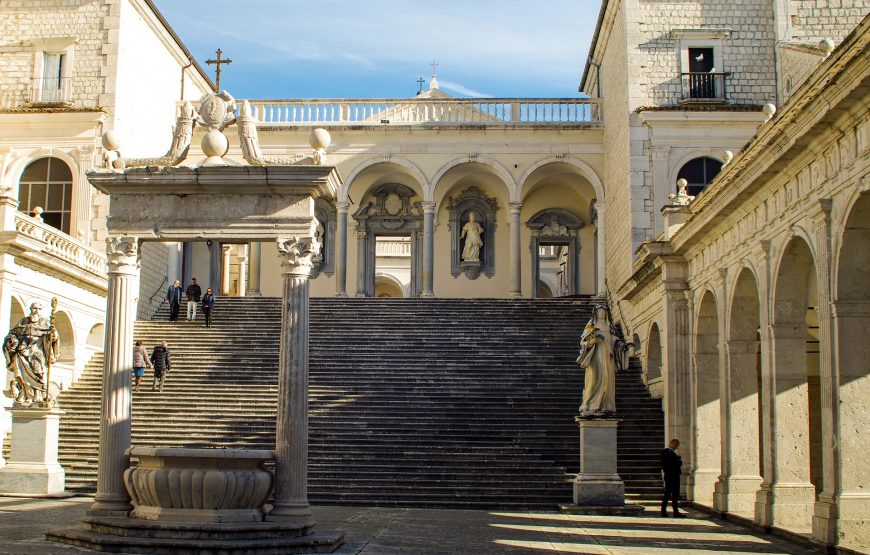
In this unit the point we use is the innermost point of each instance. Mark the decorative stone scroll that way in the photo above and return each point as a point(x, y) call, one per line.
point(470, 204)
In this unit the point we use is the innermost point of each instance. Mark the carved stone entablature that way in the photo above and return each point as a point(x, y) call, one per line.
point(460, 208)
point(555, 222)
point(122, 255)
point(298, 255)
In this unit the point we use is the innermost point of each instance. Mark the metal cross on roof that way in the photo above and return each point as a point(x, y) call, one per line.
point(218, 62)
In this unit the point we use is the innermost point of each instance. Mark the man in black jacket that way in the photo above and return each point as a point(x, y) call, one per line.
point(671, 468)
point(173, 297)
point(194, 292)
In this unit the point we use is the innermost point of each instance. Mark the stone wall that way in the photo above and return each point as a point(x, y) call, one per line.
point(813, 20)
point(28, 26)
point(153, 280)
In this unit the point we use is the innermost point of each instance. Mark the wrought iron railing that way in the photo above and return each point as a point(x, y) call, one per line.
point(704, 86)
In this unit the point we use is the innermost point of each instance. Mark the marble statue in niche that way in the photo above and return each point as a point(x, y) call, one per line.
point(472, 232)
point(598, 357)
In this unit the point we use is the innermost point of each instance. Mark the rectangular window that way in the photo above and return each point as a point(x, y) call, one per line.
point(702, 76)
point(53, 87)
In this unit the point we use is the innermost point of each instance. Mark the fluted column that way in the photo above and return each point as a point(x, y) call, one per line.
point(361, 261)
point(515, 266)
point(291, 434)
point(341, 249)
point(81, 210)
point(254, 262)
point(428, 249)
point(112, 498)
point(226, 251)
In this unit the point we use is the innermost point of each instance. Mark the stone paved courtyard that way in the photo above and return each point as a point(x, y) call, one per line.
point(419, 532)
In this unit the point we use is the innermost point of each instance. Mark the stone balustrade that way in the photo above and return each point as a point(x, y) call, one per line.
point(486, 111)
point(393, 248)
point(61, 246)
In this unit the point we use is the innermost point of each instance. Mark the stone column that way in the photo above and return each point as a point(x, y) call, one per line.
point(226, 252)
point(361, 261)
point(341, 249)
point(243, 270)
point(254, 263)
point(291, 434)
point(677, 374)
point(112, 498)
point(516, 289)
point(428, 249)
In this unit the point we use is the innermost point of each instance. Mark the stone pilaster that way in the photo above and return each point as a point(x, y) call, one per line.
point(341, 249)
point(244, 260)
point(428, 249)
point(291, 443)
point(112, 498)
point(677, 372)
point(254, 263)
point(516, 289)
point(662, 186)
point(81, 213)
point(601, 247)
point(226, 252)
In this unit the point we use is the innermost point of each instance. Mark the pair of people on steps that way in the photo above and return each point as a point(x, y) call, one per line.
point(671, 469)
point(159, 361)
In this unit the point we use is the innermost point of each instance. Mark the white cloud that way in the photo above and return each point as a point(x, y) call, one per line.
point(457, 88)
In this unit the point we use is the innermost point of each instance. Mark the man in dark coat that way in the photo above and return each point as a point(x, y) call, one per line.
point(671, 469)
point(194, 292)
point(161, 363)
point(173, 297)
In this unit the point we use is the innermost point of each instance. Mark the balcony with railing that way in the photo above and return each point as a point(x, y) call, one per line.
point(63, 254)
point(428, 111)
point(393, 248)
point(704, 87)
point(54, 90)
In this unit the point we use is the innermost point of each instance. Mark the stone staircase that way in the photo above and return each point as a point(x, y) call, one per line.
point(413, 403)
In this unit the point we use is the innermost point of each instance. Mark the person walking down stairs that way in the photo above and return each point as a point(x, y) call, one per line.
point(140, 362)
point(194, 292)
point(173, 297)
point(208, 306)
point(162, 365)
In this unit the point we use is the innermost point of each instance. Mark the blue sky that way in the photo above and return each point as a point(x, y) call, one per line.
point(378, 49)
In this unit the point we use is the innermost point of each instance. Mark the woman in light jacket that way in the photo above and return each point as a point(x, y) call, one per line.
point(140, 362)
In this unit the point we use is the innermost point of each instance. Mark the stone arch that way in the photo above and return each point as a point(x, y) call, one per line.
point(96, 336)
point(493, 166)
point(678, 163)
point(707, 444)
point(408, 166)
point(654, 355)
point(584, 170)
point(743, 473)
point(17, 311)
point(851, 320)
point(796, 386)
point(66, 330)
point(387, 285)
point(556, 228)
point(51, 184)
point(709, 165)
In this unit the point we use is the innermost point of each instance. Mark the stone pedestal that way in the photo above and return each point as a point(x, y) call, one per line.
point(32, 468)
point(598, 487)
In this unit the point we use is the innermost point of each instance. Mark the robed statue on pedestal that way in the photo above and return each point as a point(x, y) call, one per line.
point(30, 349)
point(598, 355)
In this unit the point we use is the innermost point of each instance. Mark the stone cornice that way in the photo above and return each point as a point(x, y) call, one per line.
point(805, 114)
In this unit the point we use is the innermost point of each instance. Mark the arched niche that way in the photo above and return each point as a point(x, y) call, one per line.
point(555, 230)
point(654, 354)
point(96, 336)
point(64, 325)
point(326, 215)
point(388, 210)
point(460, 208)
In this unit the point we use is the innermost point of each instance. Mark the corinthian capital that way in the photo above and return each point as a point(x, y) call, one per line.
point(298, 255)
point(122, 255)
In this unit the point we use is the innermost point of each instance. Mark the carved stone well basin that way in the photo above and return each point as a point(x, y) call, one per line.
point(199, 485)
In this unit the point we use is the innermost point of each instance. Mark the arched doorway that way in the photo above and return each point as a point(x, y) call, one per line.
point(742, 474)
point(851, 314)
point(653, 368)
point(386, 287)
point(388, 211)
point(555, 249)
point(708, 434)
point(797, 401)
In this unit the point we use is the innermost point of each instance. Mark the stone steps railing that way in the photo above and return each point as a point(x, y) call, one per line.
point(60, 245)
point(488, 111)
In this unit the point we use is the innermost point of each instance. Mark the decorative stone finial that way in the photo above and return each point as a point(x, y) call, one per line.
point(216, 112)
point(37, 213)
point(319, 140)
point(727, 157)
point(826, 46)
point(681, 198)
point(769, 109)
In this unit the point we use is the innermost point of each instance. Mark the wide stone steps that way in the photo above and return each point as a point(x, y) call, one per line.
point(415, 403)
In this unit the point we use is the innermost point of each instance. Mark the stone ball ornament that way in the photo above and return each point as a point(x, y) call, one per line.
point(826, 46)
point(214, 145)
point(319, 139)
point(769, 109)
point(727, 157)
point(110, 141)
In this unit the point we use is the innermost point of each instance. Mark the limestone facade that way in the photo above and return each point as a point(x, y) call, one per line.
point(753, 307)
point(69, 71)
